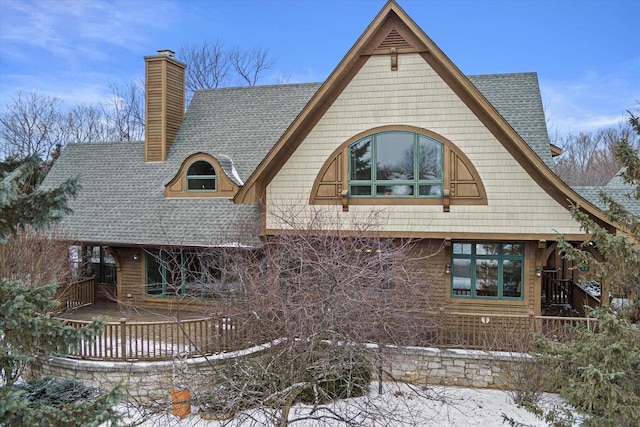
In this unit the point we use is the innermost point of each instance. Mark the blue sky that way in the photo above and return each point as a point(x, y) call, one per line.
point(586, 53)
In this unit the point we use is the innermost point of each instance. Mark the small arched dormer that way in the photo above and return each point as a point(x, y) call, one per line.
point(398, 165)
point(203, 175)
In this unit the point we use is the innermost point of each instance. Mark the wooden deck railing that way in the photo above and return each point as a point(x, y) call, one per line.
point(165, 340)
point(162, 340)
point(77, 293)
point(499, 332)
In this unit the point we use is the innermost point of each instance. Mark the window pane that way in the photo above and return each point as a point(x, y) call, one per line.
point(360, 190)
point(512, 278)
point(430, 158)
point(487, 278)
point(512, 249)
point(431, 190)
point(201, 184)
point(394, 156)
point(360, 157)
point(154, 274)
point(201, 168)
point(394, 190)
point(462, 248)
point(487, 248)
point(461, 277)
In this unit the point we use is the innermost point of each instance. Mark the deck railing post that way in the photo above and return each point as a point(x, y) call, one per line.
point(123, 338)
point(532, 322)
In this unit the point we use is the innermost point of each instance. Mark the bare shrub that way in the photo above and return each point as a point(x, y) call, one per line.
point(36, 257)
point(326, 292)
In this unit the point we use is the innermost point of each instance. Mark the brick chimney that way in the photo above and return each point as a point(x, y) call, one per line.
point(164, 103)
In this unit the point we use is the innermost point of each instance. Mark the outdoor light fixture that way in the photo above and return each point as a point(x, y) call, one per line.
point(136, 255)
point(538, 271)
point(447, 268)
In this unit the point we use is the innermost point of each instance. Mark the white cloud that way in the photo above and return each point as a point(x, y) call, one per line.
point(68, 29)
point(592, 100)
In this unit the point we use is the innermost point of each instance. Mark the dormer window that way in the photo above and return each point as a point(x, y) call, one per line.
point(201, 176)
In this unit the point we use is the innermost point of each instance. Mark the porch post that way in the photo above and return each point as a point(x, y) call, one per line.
point(540, 261)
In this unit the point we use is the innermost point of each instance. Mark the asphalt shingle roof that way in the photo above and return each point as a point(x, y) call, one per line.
point(122, 200)
point(616, 189)
point(517, 98)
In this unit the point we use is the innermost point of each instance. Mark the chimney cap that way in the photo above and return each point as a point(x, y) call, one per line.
point(166, 52)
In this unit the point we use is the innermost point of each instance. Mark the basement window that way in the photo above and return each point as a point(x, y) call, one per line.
point(201, 176)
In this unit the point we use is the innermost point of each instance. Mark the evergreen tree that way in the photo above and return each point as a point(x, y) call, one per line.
point(620, 268)
point(598, 372)
point(27, 329)
point(22, 205)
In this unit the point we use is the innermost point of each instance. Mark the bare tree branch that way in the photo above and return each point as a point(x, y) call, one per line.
point(250, 64)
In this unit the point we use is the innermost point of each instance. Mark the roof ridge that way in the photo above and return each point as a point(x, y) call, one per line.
point(278, 85)
point(102, 143)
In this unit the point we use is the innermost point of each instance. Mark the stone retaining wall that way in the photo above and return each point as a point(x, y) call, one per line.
point(154, 380)
point(468, 368)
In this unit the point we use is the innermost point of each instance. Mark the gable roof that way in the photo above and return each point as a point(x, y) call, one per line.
point(122, 200)
point(392, 31)
point(253, 130)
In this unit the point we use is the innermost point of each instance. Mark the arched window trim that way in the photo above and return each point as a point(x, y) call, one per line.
point(192, 178)
point(461, 182)
point(177, 187)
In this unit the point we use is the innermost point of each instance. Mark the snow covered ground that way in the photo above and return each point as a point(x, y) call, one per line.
point(399, 405)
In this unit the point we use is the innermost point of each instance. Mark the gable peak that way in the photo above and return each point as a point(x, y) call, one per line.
point(394, 39)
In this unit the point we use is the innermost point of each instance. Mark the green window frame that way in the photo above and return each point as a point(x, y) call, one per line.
point(396, 164)
point(201, 176)
point(487, 270)
point(187, 274)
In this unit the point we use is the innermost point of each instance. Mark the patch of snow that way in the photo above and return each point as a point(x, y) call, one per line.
point(399, 405)
point(592, 287)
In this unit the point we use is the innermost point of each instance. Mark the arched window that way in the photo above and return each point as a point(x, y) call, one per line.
point(201, 176)
point(399, 165)
point(396, 164)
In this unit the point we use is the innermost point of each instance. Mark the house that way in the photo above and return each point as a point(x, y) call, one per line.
point(463, 161)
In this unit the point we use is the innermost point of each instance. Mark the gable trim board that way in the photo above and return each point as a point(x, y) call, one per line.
point(393, 17)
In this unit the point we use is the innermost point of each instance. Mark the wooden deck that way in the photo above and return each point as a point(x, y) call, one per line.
point(113, 312)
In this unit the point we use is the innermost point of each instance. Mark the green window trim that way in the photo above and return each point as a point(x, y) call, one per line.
point(396, 164)
point(186, 274)
point(487, 270)
point(201, 176)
